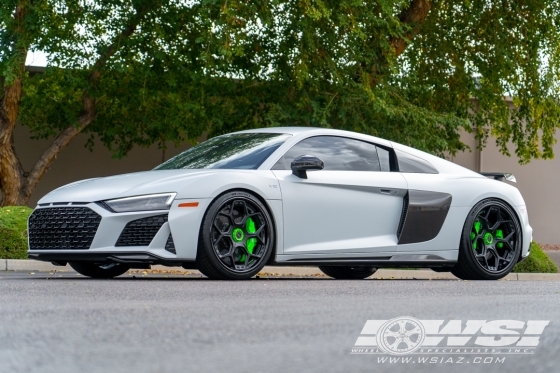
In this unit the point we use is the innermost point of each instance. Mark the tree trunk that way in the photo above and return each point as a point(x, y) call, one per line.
point(17, 185)
point(12, 177)
point(413, 16)
point(11, 172)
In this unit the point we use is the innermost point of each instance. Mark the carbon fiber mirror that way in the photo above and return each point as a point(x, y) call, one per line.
point(304, 163)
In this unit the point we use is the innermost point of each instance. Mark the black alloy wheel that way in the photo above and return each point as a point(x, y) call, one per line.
point(236, 238)
point(99, 270)
point(491, 242)
point(348, 273)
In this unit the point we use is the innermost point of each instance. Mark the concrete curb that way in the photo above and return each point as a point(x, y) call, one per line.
point(386, 274)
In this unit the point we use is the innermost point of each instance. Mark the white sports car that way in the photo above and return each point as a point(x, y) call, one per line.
point(345, 202)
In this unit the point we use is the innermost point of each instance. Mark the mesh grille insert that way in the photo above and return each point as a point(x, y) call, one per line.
point(141, 232)
point(65, 228)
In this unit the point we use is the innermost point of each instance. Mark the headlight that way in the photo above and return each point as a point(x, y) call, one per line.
point(142, 203)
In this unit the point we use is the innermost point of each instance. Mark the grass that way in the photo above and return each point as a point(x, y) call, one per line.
point(13, 232)
point(537, 262)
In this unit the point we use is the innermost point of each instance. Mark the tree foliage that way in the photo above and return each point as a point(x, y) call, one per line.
point(149, 71)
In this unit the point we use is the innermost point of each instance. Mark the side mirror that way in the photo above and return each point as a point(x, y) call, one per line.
point(305, 163)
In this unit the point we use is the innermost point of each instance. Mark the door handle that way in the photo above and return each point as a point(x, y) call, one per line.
point(386, 191)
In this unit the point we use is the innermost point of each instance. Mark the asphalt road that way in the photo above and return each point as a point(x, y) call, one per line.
point(185, 324)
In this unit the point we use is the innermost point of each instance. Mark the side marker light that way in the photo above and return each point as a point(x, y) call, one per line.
point(188, 204)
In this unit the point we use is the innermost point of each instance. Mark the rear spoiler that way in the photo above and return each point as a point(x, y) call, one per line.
point(500, 176)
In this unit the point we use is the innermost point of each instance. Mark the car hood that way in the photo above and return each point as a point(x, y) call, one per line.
point(139, 183)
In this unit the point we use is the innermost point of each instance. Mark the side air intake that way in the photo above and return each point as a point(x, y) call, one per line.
point(141, 232)
point(170, 245)
point(403, 215)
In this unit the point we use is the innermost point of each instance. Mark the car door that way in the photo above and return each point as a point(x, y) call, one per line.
point(353, 205)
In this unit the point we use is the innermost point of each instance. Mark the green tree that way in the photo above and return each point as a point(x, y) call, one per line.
point(143, 72)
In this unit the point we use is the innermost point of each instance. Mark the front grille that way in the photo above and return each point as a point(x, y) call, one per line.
point(141, 232)
point(64, 228)
point(170, 245)
point(403, 215)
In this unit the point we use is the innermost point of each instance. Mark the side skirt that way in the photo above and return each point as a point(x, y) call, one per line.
point(398, 260)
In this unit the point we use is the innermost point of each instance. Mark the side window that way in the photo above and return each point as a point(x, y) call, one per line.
point(338, 153)
point(413, 164)
point(384, 159)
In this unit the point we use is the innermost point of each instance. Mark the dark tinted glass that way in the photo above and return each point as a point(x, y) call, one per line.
point(338, 153)
point(384, 159)
point(413, 164)
point(235, 151)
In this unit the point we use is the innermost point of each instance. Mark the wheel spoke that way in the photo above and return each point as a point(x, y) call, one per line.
point(257, 234)
point(408, 342)
point(505, 239)
point(395, 344)
point(218, 239)
point(416, 330)
point(220, 229)
point(402, 326)
point(390, 333)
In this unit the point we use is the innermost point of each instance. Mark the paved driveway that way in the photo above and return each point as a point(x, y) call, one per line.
point(188, 324)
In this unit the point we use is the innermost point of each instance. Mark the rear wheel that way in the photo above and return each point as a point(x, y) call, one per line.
point(491, 242)
point(348, 273)
point(99, 270)
point(236, 237)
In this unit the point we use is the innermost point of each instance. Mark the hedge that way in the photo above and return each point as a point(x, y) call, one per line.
point(537, 262)
point(13, 232)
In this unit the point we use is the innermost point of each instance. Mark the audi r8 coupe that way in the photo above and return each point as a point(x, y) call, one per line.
point(345, 202)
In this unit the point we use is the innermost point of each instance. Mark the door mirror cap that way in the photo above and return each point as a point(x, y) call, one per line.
point(304, 163)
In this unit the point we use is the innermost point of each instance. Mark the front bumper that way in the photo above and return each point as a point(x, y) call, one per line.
point(133, 260)
point(182, 223)
point(527, 232)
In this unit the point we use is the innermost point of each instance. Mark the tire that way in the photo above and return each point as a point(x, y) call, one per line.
point(490, 242)
point(236, 238)
point(348, 273)
point(99, 270)
point(441, 269)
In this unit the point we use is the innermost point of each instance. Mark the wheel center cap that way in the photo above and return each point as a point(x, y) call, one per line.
point(237, 234)
point(488, 238)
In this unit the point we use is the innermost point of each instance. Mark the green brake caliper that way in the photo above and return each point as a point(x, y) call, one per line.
point(476, 227)
point(238, 236)
point(500, 234)
point(251, 229)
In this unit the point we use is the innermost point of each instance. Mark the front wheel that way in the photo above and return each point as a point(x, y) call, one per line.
point(490, 243)
point(99, 270)
point(236, 237)
point(348, 273)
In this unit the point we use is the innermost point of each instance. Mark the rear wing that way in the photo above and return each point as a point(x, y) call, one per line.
point(500, 176)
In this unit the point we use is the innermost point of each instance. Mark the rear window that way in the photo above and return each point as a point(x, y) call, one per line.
point(413, 164)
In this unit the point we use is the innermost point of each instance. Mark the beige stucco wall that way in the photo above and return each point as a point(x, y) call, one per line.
point(76, 162)
point(538, 181)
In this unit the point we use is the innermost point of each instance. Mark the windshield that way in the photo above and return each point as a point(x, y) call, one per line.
point(235, 151)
